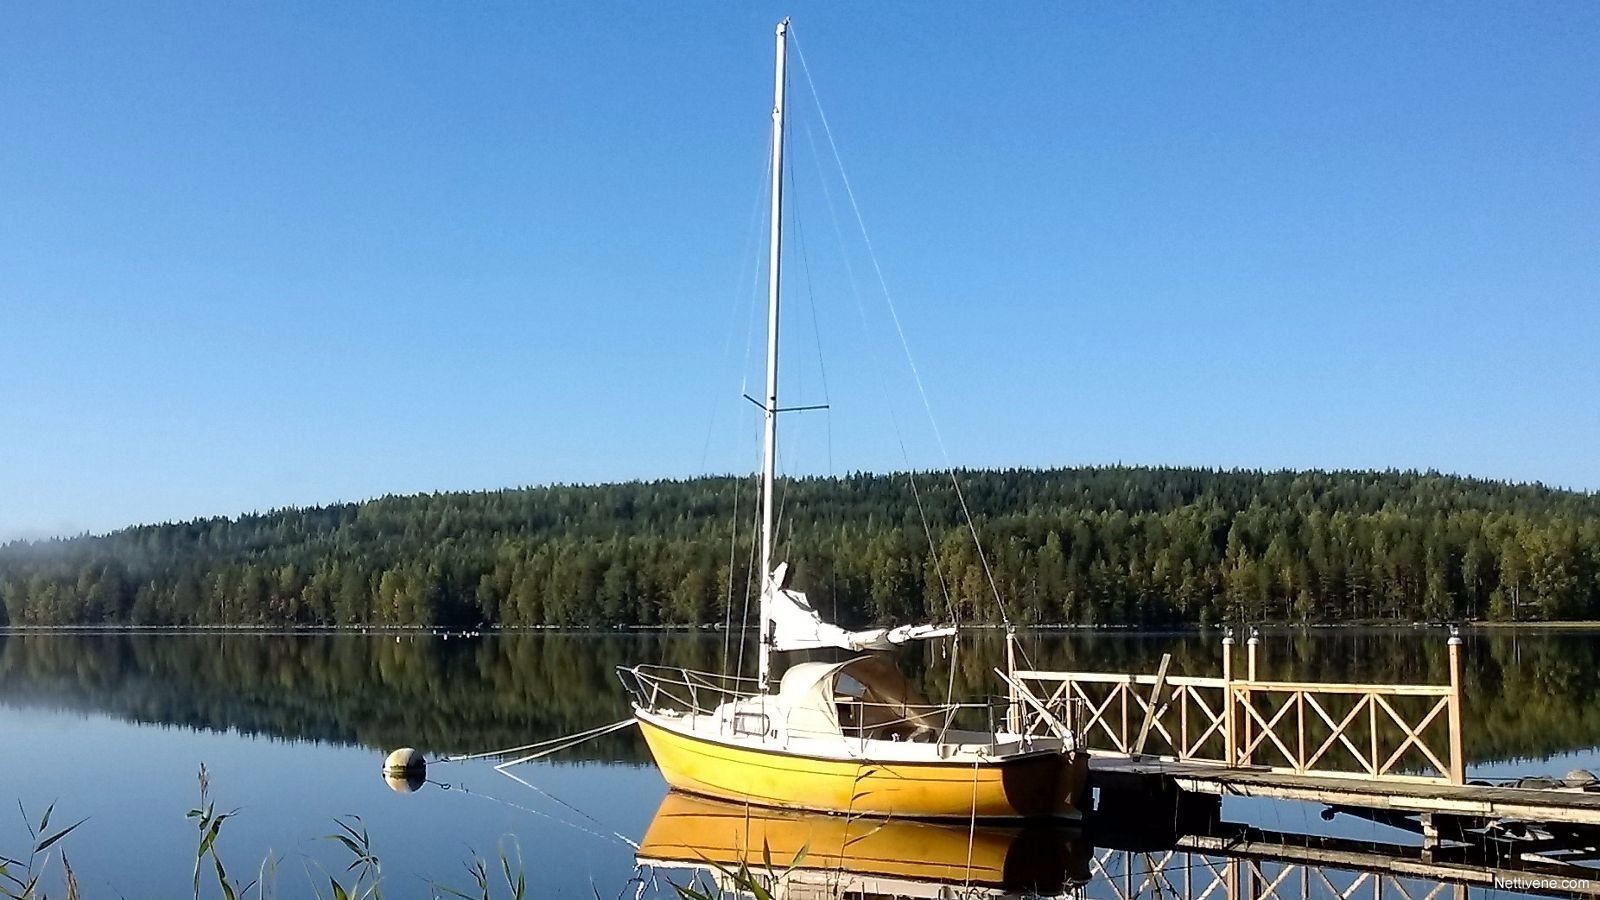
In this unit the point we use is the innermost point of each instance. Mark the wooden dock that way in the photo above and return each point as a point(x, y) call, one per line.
point(1391, 753)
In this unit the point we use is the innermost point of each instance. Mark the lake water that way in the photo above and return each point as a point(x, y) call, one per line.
point(292, 728)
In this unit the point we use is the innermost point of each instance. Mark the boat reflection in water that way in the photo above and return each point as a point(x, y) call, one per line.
point(811, 856)
point(727, 850)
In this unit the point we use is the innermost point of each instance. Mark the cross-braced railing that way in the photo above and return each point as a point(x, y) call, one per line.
point(1389, 731)
point(1107, 711)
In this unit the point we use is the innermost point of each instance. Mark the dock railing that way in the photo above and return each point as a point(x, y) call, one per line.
point(1408, 732)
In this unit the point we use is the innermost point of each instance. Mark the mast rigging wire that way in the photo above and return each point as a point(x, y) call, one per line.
point(827, 399)
point(753, 232)
point(744, 389)
point(905, 345)
point(752, 236)
point(749, 576)
point(727, 603)
point(952, 609)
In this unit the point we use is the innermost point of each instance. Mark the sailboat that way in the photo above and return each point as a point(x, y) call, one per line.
point(852, 736)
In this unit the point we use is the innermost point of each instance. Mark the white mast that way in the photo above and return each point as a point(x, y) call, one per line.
point(769, 460)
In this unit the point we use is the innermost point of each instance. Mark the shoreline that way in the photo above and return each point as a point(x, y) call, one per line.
point(491, 631)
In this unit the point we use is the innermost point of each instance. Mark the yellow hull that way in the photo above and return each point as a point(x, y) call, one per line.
point(1029, 785)
point(696, 832)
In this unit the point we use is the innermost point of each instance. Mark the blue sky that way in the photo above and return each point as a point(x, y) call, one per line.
point(255, 255)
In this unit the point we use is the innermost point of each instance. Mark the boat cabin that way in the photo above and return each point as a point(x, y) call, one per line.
point(864, 698)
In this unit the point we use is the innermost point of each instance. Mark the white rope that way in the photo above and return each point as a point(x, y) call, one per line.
point(580, 737)
point(612, 835)
point(528, 784)
point(552, 745)
point(569, 744)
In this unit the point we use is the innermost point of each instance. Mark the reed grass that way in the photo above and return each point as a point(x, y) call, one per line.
point(22, 879)
point(30, 877)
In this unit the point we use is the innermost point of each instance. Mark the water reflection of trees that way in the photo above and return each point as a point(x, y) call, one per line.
point(1527, 694)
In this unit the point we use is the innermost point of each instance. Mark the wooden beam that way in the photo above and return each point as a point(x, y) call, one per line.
point(1155, 700)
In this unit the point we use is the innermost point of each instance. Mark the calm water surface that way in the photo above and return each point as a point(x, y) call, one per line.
point(292, 729)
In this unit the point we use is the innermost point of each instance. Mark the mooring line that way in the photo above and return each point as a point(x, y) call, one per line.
point(571, 742)
point(542, 749)
point(540, 813)
point(553, 798)
point(575, 739)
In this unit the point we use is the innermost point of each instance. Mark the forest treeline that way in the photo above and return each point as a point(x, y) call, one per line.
point(1103, 545)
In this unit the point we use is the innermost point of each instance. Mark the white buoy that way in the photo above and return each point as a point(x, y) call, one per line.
point(405, 770)
point(404, 762)
point(405, 784)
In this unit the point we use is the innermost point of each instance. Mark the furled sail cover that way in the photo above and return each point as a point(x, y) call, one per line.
point(796, 626)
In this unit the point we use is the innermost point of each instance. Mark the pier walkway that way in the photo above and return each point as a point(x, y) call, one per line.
point(1121, 775)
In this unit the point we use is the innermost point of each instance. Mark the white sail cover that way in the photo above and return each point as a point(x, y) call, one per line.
point(796, 626)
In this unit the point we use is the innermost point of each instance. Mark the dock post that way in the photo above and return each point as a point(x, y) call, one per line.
point(1249, 698)
point(1458, 753)
point(1228, 756)
point(1014, 707)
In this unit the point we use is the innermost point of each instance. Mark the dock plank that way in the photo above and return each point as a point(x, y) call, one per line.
point(1526, 804)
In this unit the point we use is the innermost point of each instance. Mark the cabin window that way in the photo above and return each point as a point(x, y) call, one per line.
point(751, 723)
point(849, 686)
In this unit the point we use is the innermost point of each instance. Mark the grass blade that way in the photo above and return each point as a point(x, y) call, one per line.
point(45, 844)
point(222, 878)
